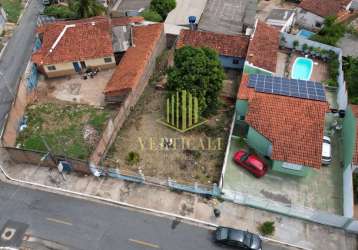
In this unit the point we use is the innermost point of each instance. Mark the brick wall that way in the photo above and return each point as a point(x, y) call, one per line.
point(114, 125)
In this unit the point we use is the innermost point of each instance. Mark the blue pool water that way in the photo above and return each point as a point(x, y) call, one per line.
point(302, 69)
point(305, 33)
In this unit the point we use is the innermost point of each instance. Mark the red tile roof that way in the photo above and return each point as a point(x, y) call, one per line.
point(264, 46)
point(89, 39)
point(125, 20)
point(324, 8)
point(245, 92)
point(294, 126)
point(355, 156)
point(135, 60)
point(226, 45)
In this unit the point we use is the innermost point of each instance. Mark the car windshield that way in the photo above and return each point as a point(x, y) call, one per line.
point(244, 157)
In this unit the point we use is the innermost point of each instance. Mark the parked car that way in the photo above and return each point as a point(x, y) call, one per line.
point(326, 151)
point(238, 238)
point(251, 162)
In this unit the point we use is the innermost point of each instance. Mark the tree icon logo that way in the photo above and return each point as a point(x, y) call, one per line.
point(182, 112)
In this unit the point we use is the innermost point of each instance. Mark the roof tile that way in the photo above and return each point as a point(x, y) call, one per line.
point(324, 8)
point(355, 156)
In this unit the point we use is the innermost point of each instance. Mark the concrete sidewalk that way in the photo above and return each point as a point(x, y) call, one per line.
point(290, 230)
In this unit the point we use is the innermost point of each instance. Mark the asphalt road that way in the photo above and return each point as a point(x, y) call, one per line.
point(15, 57)
point(81, 224)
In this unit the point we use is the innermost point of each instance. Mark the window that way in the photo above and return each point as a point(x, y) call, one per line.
point(108, 59)
point(318, 24)
point(235, 61)
point(52, 67)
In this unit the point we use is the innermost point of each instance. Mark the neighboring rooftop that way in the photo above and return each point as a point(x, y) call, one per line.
point(294, 126)
point(68, 41)
point(127, 5)
point(280, 14)
point(226, 45)
point(228, 16)
point(126, 20)
point(178, 18)
point(355, 155)
point(131, 67)
point(264, 46)
point(324, 8)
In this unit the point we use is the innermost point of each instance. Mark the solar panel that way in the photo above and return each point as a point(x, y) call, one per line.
point(287, 87)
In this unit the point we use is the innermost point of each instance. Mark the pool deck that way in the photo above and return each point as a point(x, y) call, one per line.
point(319, 72)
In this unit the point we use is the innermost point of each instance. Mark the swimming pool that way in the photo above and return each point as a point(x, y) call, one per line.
point(305, 33)
point(302, 69)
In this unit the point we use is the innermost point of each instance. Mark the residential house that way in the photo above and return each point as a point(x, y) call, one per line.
point(311, 13)
point(283, 120)
point(283, 19)
point(69, 47)
point(229, 16)
point(136, 66)
point(231, 48)
point(263, 49)
point(3, 20)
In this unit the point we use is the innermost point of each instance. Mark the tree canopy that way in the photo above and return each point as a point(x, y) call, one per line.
point(199, 71)
point(350, 67)
point(331, 32)
point(162, 7)
point(151, 15)
point(77, 9)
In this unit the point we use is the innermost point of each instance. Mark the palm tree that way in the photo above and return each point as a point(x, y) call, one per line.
point(86, 8)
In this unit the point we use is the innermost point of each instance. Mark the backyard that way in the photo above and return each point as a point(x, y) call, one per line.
point(194, 156)
point(69, 129)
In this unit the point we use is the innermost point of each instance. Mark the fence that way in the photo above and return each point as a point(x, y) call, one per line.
point(304, 213)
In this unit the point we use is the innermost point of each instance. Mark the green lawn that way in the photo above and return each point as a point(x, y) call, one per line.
point(62, 126)
point(12, 8)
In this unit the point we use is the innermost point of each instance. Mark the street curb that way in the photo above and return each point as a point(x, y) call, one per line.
point(3, 50)
point(23, 11)
point(124, 204)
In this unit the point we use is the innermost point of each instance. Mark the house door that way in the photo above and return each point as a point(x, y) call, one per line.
point(77, 66)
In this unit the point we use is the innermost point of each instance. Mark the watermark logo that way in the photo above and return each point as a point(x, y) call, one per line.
point(182, 112)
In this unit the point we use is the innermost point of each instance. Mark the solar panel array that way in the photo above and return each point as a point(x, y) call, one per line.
point(287, 87)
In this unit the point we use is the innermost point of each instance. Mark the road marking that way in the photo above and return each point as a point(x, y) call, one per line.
point(59, 221)
point(144, 243)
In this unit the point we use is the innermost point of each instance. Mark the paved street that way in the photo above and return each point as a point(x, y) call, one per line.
point(16, 56)
point(81, 224)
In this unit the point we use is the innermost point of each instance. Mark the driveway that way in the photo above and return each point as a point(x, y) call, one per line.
point(16, 56)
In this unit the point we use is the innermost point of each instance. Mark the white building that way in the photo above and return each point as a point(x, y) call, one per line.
point(284, 19)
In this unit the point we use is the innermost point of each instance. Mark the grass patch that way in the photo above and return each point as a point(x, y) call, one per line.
point(12, 8)
point(62, 127)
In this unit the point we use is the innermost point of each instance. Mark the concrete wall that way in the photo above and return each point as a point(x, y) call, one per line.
point(114, 125)
point(308, 20)
point(228, 62)
point(67, 68)
point(286, 25)
point(258, 142)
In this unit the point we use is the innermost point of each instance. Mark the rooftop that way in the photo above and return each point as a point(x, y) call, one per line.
point(355, 155)
point(226, 45)
point(264, 47)
point(68, 41)
point(324, 8)
point(131, 67)
point(126, 20)
point(228, 16)
point(294, 126)
point(280, 14)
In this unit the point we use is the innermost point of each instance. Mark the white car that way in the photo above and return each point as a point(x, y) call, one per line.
point(326, 151)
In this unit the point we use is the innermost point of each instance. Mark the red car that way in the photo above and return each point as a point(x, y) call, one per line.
point(251, 163)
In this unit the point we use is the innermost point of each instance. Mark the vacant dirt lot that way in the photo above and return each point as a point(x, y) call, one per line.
point(196, 155)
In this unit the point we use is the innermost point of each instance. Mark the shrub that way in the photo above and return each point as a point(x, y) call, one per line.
point(331, 32)
point(133, 158)
point(151, 15)
point(162, 7)
point(267, 228)
point(59, 11)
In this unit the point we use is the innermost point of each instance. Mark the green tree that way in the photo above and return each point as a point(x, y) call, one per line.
point(350, 67)
point(199, 71)
point(59, 11)
point(86, 8)
point(151, 15)
point(331, 32)
point(162, 7)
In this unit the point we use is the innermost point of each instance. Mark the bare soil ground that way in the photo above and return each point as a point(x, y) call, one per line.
point(199, 158)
